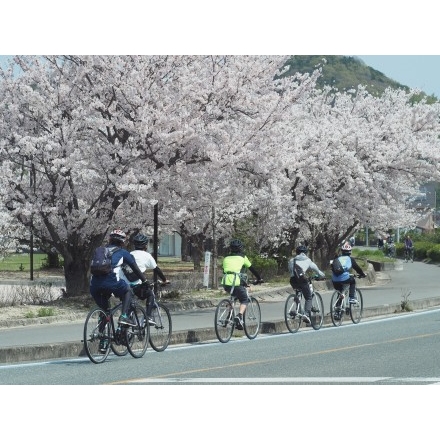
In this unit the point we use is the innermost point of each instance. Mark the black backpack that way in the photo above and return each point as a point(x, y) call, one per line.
point(336, 266)
point(102, 260)
point(298, 272)
point(128, 272)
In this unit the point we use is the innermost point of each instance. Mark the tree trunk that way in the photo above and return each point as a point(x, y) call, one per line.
point(76, 273)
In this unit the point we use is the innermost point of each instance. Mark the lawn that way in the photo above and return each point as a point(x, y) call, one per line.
point(21, 262)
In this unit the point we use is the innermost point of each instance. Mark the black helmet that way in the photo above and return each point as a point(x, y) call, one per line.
point(118, 236)
point(140, 241)
point(301, 249)
point(236, 245)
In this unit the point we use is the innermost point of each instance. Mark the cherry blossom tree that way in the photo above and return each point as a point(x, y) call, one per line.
point(98, 136)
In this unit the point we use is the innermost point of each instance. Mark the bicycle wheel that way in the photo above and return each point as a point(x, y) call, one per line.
point(97, 336)
point(160, 333)
point(137, 336)
point(224, 320)
point(317, 312)
point(252, 318)
point(291, 315)
point(118, 345)
point(337, 308)
point(357, 308)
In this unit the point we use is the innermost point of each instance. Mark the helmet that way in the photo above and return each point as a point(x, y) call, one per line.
point(118, 236)
point(301, 249)
point(140, 240)
point(236, 245)
point(346, 248)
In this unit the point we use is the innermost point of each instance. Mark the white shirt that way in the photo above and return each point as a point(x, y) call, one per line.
point(144, 260)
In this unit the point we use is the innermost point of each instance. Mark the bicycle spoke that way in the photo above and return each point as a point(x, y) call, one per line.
point(224, 320)
point(292, 317)
point(160, 333)
point(96, 336)
point(252, 319)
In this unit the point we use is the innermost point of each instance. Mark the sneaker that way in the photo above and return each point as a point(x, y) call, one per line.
point(306, 318)
point(337, 316)
point(238, 323)
point(125, 320)
point(292, 313)
point(352, 301)
point(103, 344)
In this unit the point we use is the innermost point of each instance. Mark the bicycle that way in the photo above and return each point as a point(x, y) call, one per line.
point(340, 305)
point(409, 255)
point(101, 334)
point(227, 310)
point(294, 308)
point(160, 332)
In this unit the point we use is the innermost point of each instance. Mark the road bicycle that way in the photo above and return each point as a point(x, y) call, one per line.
point(102, 333)
point(160, 332)
point(294, 308)
point(226, 311)
point(340, 305)
point(409, 255)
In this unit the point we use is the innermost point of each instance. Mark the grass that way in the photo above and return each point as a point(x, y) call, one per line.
point(41, 313)
point(22, 262)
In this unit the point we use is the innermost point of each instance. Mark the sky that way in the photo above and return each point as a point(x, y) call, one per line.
point(415, 71)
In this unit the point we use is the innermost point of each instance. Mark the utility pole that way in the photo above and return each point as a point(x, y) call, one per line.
point(155, 238)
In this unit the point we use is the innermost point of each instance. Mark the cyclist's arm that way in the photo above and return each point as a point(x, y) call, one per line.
point(357, 268)
point(160, 274)
point(256, 274)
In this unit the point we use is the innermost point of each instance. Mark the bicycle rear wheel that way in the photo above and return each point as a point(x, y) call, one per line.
point(224, 320)
point(137, 336)
point(160, 333)
point(97, 335)
point(337, 308)
point(356, 309)
point(291, 313)
point(118, 345)
point(317, 312)
point(252, 318)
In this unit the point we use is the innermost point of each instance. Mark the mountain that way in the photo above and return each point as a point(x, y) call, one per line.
point(347, 72)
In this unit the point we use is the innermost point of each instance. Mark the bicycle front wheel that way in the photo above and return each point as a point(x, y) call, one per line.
point(292, 316)
point(337, 308)
point(317, 312)
point(357, 308)
point(160, 333)
point(224, 320)
point(252, 319)
point(97, 336)
point(137, 336)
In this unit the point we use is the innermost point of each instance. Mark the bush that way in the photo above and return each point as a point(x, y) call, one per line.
point(434, 252)
point(421, 248)
point(267, 267)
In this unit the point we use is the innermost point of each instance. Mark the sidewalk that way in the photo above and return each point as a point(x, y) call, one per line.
point(193, 321)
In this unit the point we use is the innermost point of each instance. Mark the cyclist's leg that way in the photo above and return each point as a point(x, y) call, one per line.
point(241, 294)
point(352, 282)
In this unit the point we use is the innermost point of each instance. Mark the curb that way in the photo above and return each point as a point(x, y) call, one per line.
point(46, 352)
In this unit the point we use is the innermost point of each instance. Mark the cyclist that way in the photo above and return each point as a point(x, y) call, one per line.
point(408, 247)
point(145, 261)
point(348, 263)
point(305, 263)
point(102, 286)
point(233, 279)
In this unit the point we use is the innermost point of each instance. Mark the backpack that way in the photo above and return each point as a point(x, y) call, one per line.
point(102, 260)
point(337, 267)
point(128, 272)
point(298, 272)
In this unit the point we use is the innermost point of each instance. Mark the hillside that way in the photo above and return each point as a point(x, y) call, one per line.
point(346, 72)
